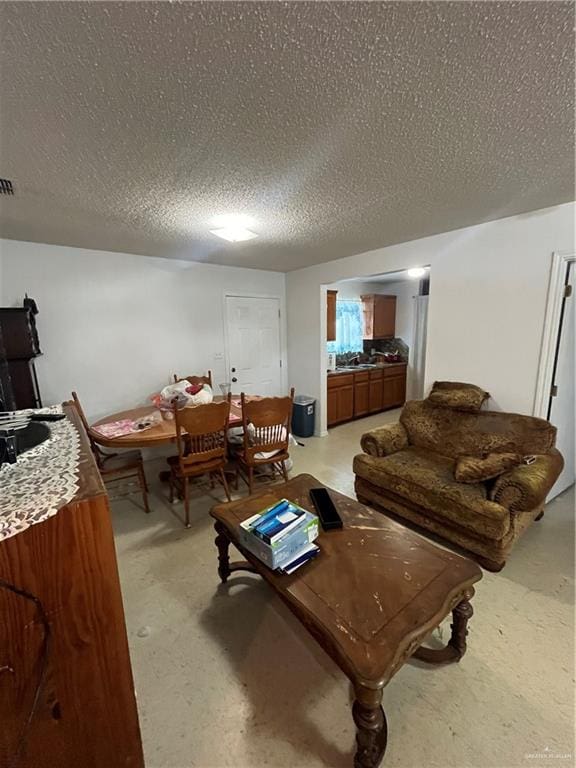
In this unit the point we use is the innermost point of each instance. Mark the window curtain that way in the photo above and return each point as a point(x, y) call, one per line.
point(418, 351)
point(349, 328)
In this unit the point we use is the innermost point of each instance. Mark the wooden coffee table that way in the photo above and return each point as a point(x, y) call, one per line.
point(370, 598)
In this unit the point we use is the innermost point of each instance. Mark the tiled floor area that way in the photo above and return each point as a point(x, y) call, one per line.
point(226, 677)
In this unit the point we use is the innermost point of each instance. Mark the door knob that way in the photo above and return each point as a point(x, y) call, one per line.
point(234, 379)
point(233, 370)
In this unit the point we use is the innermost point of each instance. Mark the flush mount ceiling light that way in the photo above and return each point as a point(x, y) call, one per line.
point(416, 272)
point(233, 228)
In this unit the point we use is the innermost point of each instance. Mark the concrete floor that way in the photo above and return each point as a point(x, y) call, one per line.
point(226, 677)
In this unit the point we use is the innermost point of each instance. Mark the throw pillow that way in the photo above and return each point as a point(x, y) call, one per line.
point(458, 395)
point(475, 469)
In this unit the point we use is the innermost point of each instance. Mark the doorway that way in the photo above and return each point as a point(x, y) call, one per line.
point(375, 344)
point(253, 345)
point(556, 392)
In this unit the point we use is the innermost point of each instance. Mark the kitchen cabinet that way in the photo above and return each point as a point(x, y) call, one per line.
point(340, 398)
point(394, 389)
point(361, 394)
point(331, 315)
point(375, 391)
point(354, 394)
point(379, 316)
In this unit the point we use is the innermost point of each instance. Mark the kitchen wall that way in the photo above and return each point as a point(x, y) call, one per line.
point(115, 326)
point(405, 291)
point(488, 287)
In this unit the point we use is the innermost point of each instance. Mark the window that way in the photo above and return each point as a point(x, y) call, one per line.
point(349, 328)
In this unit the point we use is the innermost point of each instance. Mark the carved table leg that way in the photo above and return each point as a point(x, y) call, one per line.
point(372, 733)
point(225, 567)
point(461, 615)
point(222, 542)
point(456, 647)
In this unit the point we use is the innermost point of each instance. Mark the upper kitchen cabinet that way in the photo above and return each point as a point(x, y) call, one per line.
point(331, 315)
point(379, 316)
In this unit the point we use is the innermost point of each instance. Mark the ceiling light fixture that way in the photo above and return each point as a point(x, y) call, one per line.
point(234, 234)
point(416, 272)
point(233, 228)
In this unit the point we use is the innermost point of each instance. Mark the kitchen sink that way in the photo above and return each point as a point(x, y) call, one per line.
point(358, 367)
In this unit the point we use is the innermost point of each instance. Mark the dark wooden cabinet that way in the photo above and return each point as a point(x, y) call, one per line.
point(86, 711)
point(361, 394)
point(394, 389)
point(20, 347)
point(340, 398)
point(7, 399)
point(379, 316)
point(376, 392)
point(19, 333)
point(24, 384)
point(331, 315)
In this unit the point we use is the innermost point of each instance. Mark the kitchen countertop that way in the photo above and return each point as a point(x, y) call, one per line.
point(359, 369)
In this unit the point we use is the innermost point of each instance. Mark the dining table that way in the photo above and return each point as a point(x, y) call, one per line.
point(163, 433)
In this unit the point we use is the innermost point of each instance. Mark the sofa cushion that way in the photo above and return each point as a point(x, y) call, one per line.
point(426, 480)
point(478, 469)
point(458, 395)
point(456, 433)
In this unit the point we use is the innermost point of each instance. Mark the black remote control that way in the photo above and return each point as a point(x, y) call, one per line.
point(327, 512)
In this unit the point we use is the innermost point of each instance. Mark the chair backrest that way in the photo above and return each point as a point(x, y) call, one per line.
point(266, 424)
point(455, 433)
point(93, 445)
point(195, 379)
point(201, 432)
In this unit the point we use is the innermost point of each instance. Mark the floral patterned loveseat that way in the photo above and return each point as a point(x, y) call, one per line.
point(409, 469)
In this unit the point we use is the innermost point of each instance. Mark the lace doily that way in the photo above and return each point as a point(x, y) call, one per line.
point(43, 479)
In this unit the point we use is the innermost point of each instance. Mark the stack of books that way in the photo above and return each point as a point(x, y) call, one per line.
point(282, 536)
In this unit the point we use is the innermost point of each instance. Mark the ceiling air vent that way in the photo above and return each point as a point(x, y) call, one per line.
point(6, 187)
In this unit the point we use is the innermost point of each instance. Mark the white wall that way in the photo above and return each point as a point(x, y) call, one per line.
point(487, 298)
point(115, 326)
point(404, 292)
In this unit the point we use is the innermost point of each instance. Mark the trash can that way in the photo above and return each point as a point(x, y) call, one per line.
point(303, 415)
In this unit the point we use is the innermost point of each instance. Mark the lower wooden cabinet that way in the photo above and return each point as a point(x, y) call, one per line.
point(394, 390)
point(340, 398)
point(358, 394)
point(361, 394)
point(376, 391)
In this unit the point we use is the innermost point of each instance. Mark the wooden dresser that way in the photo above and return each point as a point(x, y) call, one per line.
point(86, 714)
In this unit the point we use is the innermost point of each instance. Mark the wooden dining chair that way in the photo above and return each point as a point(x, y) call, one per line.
point(115, 466)
point(201, 438)
point(195, 379)
point(266, 426)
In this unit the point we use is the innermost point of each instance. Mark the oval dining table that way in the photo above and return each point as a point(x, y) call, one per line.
point(161, 434)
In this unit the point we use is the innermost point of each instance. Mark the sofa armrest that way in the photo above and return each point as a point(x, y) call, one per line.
point(384, 440)
point(525, 487)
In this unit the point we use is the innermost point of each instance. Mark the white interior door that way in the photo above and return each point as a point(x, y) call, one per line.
point(254, 354)
point(563, 407)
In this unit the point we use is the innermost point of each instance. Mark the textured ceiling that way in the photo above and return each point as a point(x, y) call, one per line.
point(339, 127)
